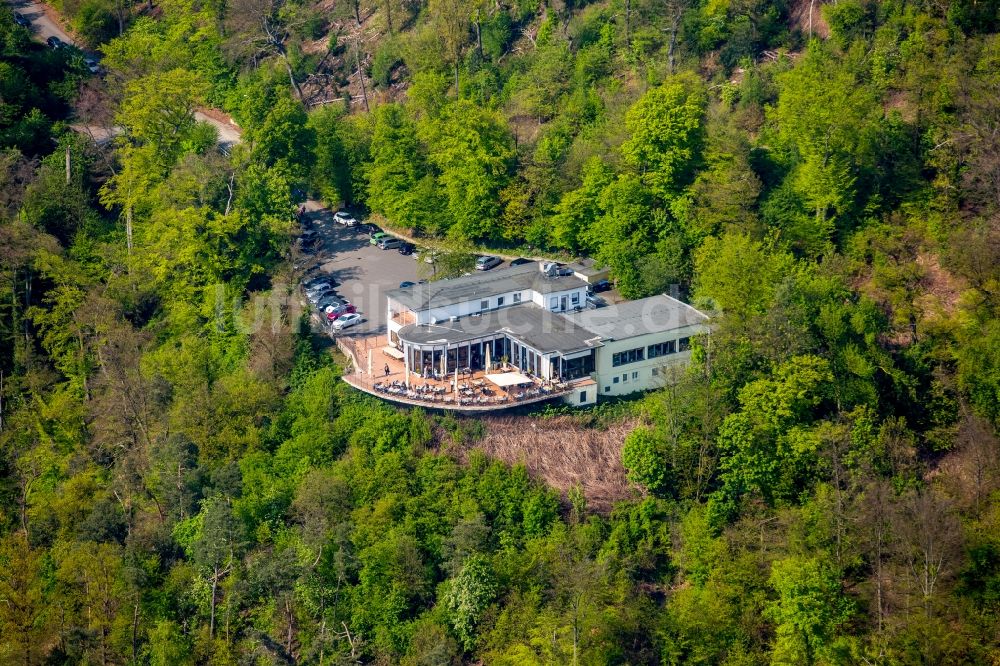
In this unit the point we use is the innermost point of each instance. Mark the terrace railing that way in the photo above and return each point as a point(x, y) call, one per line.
point(443, 396)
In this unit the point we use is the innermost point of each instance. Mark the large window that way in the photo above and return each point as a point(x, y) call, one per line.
point(662, 349)
point(626, 357)
point(499, 301)
point(684, 344)
point(517, 297)
point(575, 298)
point(484, 305)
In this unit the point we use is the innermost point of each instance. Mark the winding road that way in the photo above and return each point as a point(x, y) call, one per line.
point(43, 26)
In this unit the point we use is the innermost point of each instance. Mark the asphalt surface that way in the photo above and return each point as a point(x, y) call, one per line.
point(42, 27)
point(363, 271)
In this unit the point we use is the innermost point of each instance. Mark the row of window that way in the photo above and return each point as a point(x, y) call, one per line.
point(662, 348)
point(628, 356)
point(485, 304)
point(574, 301)
point(554, 302)
point(614, 380)
point(625, 377)
point(652, 351)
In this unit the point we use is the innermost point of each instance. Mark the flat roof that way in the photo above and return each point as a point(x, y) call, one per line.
point(587, 267)
point(480, 285)
point(536, 327)
point(630, 319)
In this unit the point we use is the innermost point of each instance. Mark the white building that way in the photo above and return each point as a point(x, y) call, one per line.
point(534, 318)
point(641, 341)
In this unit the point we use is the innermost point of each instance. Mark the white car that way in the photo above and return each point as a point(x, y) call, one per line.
point(346, 321)
point(345, 218)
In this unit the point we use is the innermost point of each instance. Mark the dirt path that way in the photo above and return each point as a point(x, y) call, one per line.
point(229, 132)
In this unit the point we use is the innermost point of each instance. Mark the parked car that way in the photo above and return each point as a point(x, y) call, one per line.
point(320, 298)
point(345, 218)
point(599, 286)
point(92, 65)
point(319, 285)
point(319, 294)
point(520, 261)
point(318, 280)
point(487, 262)
point(20, 19)
point(330, 300)
point(347, 320)
point(54, 42)
point(369, 228)
point(405, 284)
point(407, 248)
point(334, 312)
point(389, 243)
point(377, 236)
point(595, 301)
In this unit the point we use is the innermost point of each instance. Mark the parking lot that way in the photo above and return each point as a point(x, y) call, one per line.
point(362, 271)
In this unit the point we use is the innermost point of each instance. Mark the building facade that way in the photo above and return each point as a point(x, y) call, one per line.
point(643, 343)
point(532, 317)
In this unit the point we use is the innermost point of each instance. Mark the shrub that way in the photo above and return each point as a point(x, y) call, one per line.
point(95, 23)
point(386, 59)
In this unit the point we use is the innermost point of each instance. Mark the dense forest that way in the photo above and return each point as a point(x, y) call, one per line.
point(184, 479)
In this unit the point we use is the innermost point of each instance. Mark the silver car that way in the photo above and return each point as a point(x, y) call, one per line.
point(487, 262)
point(346, 321)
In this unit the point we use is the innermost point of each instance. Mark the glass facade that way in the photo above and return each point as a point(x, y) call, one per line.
point(629, 356)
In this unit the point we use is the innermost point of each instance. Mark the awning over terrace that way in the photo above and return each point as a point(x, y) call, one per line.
point(506, 379)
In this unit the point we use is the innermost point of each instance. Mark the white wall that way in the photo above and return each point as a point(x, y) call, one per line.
point(585, 390)
point(545, 300)
point(474, 306)
point(639, 376)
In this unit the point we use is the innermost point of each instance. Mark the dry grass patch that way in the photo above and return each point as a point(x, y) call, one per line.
point(562, 453)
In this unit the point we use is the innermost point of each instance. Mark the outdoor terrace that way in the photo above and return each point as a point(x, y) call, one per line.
point(477, 390)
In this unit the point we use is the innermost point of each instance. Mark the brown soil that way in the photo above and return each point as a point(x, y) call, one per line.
point(563, 454)
point(942, 290)
point(799, 18)
point(221, 116)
